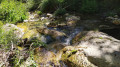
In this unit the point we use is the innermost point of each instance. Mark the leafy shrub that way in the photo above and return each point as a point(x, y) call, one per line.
point(7, 38)
point(12, 11)
point(29, 4)
point(89, 6)
point(72, 5)
point(1, 24)
point(39, 12)
point(0, 1)
point(32, 4)
point(37, 43)
point(60, 12)
point(48, 5)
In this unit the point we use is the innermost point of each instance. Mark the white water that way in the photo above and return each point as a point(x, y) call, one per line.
point(73, 33)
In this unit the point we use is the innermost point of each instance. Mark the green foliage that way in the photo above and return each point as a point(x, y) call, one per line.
point(29, 4)
point(39, 12)
point(48, 5)
point(1, 24)
point(32, 4)
point(89, 6)
point(109, 4)
point(60, 12)
point(71, 5)
point(61, 1)
point(7, 38)
point(37, 43)
point(0, 1)
point(59, 6)
point(12, 11)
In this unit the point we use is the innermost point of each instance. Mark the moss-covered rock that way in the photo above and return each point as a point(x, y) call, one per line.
point(43, 57)
point(55, 34)
point(74, 57)
point(80, 36)
point(29, 29)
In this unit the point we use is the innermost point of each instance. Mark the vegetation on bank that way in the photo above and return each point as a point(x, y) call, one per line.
point(12, 11)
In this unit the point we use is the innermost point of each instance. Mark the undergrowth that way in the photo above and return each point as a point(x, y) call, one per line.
point(12, 11)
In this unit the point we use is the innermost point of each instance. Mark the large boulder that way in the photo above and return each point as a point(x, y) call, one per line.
point(60, 55)
point(115, 20)
point(101, 49)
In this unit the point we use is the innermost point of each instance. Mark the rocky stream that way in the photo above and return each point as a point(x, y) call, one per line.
point(71, 42)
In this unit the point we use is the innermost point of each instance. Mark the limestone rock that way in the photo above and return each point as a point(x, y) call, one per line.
point(102, 49)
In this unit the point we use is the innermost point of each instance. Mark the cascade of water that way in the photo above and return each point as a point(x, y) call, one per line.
point(71, 35)
point(70, 32)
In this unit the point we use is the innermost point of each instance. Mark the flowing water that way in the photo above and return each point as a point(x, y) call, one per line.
point(71, 35)
point(70, 32)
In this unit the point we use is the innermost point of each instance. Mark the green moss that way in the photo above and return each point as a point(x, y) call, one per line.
point(100, 37)
point(39, 12)
point(26, 29)
point(73, 51)
point(81, 38)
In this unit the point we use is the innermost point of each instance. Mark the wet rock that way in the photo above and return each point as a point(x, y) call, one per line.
point(55, 34)
point(46, 39)
point(50, 15)
point(52, 25)
point(101, 49)
point(56, 25)
point(56, 46)
point(115, 20)
point(71, 23)
point(80, 36)
point(72, 20)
